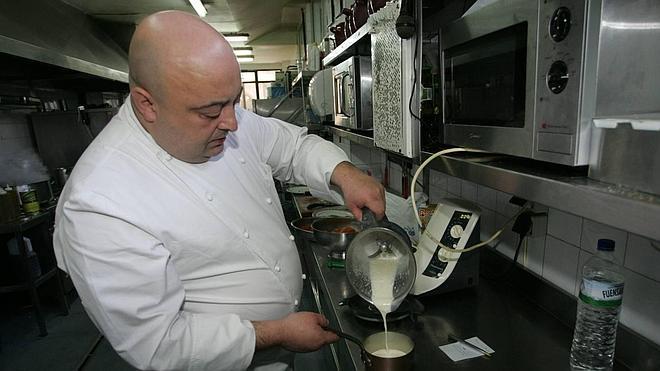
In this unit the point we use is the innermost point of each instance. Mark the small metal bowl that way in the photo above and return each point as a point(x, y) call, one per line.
point(335, 234)
point(303, 228)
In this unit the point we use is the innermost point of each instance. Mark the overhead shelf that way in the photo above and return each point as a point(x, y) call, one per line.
point(606, 203)
point(353, 137)
point(304, 77)
point(345, 48)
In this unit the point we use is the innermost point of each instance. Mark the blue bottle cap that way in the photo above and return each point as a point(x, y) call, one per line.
point(605, 244)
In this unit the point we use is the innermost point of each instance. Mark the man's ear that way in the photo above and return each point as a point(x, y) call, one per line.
point(144, 104)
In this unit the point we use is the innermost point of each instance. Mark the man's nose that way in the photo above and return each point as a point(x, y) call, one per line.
point(228, 119)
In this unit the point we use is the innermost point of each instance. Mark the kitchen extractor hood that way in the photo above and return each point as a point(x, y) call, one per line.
point(56, 33)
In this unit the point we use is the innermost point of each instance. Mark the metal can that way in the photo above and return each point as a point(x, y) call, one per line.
point(29, 199)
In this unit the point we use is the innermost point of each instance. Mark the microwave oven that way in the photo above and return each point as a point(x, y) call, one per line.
point(351, 91)
point(519, 78)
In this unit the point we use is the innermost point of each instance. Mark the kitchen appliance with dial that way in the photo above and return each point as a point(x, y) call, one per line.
point(455, 224)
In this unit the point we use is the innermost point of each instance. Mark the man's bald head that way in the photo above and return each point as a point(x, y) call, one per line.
point(185, 83)
point(169, 42)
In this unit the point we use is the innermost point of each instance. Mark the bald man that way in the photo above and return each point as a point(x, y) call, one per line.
point(170, 225)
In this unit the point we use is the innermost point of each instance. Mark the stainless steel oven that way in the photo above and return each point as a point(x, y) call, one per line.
point(519, 78)
point(352, 93)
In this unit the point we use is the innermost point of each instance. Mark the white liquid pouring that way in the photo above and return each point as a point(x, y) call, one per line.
point(382, 272)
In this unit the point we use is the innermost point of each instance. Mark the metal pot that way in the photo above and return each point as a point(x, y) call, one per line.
point(349, 27)
point(340, 34)
point(303, 228)
point(335, 234)
point(375, 5)
point(395, 341)
point(360, 14)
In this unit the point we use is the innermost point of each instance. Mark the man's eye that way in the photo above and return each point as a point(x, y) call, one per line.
point(210, 116)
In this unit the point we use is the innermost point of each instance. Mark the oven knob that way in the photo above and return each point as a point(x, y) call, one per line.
point(557, 77)
point(560, 24)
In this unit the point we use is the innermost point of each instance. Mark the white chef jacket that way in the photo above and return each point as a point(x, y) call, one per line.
point(173, 260)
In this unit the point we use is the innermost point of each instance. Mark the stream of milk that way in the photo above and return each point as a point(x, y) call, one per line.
point(382, 271)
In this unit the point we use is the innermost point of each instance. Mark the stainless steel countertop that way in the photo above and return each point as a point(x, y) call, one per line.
point(523, 336)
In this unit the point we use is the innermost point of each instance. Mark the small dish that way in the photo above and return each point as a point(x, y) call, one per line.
point(333, 212)
point(297, 189)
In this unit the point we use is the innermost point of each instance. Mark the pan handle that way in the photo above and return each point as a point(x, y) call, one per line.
point(363, 352)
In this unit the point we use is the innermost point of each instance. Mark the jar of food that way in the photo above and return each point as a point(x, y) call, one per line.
point(29, 200)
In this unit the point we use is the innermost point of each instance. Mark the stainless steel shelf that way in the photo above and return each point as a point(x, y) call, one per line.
point(344, 47)
point(353, 137)
point(609, 204)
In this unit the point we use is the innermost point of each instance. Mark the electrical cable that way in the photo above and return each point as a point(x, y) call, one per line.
point(419, 220)
point(414, 83)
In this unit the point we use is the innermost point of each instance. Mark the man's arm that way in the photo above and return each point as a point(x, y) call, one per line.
point(297, 332)
point(359, 190)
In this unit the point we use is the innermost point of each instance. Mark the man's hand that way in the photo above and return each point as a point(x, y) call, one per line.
point(359, 189)
point(297, 332)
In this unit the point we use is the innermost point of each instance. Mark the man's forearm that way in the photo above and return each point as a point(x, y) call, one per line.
point(267, 333)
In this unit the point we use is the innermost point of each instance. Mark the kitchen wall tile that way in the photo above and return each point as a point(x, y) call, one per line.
point(641, 300)
point(505, 207)
point(343, 143)
point(564, 226)
point(487, 222)
point(438, 180)
point(643, 256)
point(454, 186)
point(534, 255)
point(508, 240)
point(360, 155)
point(469, 191)
point(584, 256)
point(395, 177)
point(560, 263)
point(593, 231)
point(436, 194)
point(487, 197)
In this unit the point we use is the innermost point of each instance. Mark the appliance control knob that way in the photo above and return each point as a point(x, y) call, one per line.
point(560, 24)
point(456, 231)
point(557, 77)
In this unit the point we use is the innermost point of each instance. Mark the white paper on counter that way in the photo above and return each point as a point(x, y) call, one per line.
point(458, 352)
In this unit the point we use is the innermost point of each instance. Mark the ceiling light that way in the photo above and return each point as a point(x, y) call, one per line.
point(243, 51)
point(199, 7)
point(247, 58)
point(236, 37)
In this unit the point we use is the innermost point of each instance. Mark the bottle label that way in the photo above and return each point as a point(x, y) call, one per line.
point(601, 294)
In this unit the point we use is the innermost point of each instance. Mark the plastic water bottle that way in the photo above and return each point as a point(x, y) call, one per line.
point(599, 304)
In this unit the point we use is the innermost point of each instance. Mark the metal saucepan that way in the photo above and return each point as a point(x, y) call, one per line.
point(335, 234)
point(400, 346)
point(303, 228)
point(396, 342)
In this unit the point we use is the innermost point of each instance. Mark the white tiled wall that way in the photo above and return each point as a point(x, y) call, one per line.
point(560, 245)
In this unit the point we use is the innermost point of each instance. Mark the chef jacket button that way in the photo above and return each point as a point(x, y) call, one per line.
point(295, 302)
point(241, 160)
point(246, 234)
point(168, 157)
point(304, 276)
point(269, 201)
point(209, 196)
point(291, 237)
point(277, 268)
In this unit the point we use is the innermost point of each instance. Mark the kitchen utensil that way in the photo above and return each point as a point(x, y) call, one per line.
point(395, 341)
point(339, 32)
point(297, 189)
point(332, 212)
point(360, 308)
point(380, 242)
point(374, 5)
point(303, 228)
point(335, 234)
point(363, 353)
point(360, 14)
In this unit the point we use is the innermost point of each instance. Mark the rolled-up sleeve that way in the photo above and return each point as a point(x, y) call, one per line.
point(131, 291)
